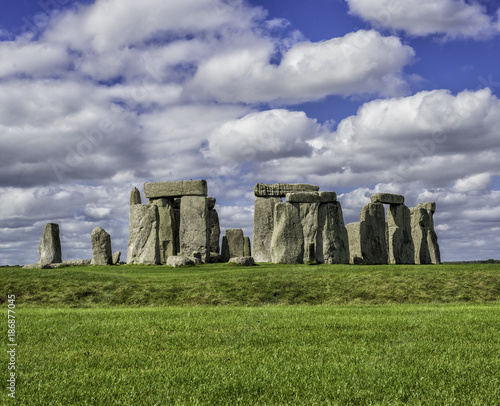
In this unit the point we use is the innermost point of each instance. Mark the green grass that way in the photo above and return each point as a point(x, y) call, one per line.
point(267, 355)
point(222, 284)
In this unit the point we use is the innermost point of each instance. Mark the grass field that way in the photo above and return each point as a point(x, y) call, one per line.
point(220, 335)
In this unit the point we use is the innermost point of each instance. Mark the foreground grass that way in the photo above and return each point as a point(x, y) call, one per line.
point(268, 355)
point(222, 284)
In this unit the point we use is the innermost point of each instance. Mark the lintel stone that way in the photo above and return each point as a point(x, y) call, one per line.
point(387, 198)
point(176, 188)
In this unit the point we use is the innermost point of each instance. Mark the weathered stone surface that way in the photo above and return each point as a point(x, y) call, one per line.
point(176, 188)
point(211, 203)
point(263, 223)
point(303, 197)
point(177, 261)
point(167, 229)
point(372, 232)
point(245, 261)
point(225, 250)
point(429, 206)
point(247, 248)
point(387, 198)
point(310, 253)
point(214, 230)
point(332, 239)
point(355, 255)
point(50, 245)
point(235, 242)
point(143, 244)
point(215, 258)
point(399, 239)
point(281, 189)
point(328, 197)
point(135, 196)
point(432, 239)
point(193, 228)
point(420, 222)
point(287, 243)
point(78, 262)
point(116, 257)
point(308, 213)
point(101, 247)
point(196, 257)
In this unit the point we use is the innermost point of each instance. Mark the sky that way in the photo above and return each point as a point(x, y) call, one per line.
point(355, 96)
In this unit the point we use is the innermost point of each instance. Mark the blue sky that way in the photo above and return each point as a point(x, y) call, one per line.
point(356, 96)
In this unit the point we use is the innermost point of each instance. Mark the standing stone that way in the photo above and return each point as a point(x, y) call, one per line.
point(177, 214)
point(101, 247)
point(420, 222)
point(143, 244)
point(399, 238)
point(372, 232)
point(167, 229)
point(309, 220)
point(214, 230)
point(247, 249)
point(116, 257)
point(225, 250)
point(353, 232)
point(135, 196)
point(50, 245)
point(333, 241)
point(235, 242)
point(193, 228)
point(287, 243)
point(432, 239)
point(263, 223)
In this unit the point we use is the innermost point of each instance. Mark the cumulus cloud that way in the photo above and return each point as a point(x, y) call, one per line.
point(359, 62)
point(262, 136)
point(452, 18)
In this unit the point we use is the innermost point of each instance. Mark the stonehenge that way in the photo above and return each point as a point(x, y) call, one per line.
point(293, 223)
point(308, 227)
point(178, 220)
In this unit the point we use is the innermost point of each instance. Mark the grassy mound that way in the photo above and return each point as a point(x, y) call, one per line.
point(224, 284)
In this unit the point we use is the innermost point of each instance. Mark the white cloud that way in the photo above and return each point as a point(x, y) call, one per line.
point(477, 182)
point(359, 62)
point(262, 136)
point(453, 18)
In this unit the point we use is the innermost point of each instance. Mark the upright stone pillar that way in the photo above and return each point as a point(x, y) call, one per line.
point(432, 239)
point(332, 241)
point(372, 231)
point(420, 222)
point(263, 223)
point(354, 235)
point(193, 228)
point(235, 243)
point(135, 196)
point(214, 226)
point(50, 245)
point(287, 243)
point(167, 229)
point(143, 245)
point(309, 220)
point(399, 238)
point(247, 251)
point(101, 247)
